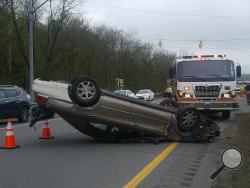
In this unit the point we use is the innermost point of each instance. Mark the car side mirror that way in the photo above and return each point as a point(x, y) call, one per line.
point(171, 72)
point(238, 71)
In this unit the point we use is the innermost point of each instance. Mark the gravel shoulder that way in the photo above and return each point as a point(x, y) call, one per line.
point(236, 133)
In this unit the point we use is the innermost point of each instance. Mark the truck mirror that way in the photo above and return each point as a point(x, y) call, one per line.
point(171, 72)
point(238, 71)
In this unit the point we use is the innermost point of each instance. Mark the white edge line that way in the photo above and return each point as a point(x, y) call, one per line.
point(25, 124)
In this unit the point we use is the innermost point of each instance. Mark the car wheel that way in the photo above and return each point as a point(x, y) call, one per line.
point(84, 91)
point(226, 114)
point(24, 114)
point(188, 118)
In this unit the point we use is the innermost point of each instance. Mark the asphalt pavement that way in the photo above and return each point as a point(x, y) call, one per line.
point(72, 159)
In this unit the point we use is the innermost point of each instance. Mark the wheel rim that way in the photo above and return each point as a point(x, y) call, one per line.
point(189, 119)
point(86, 90)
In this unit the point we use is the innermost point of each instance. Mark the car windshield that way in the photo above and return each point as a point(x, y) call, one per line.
point(206, 70)
point(120, 92)
point(142, 92)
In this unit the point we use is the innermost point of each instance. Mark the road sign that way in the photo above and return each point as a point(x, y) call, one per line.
point(119, 83)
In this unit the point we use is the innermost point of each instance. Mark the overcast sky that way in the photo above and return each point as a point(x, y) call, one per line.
point(181, 20)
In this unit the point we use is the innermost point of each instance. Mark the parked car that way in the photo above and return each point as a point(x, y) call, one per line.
point(147, 94)
point(14, 103)
point(110, 117)
point(128, 93)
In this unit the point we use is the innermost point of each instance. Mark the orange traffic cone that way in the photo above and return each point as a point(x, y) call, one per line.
point(46, 133)
point(9, 142)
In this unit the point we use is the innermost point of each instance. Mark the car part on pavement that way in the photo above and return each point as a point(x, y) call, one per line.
point(111, 117)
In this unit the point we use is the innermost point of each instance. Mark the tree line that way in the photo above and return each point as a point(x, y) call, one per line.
point(66, 44)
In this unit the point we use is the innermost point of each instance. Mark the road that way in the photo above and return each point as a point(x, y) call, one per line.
point(72, 159)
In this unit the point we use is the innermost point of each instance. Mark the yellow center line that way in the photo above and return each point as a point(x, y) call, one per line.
point(150, 166)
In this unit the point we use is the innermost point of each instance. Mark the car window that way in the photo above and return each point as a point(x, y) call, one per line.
point(142, 91)
point(18, 92)
point(11, 93)
point(121, 92)
point(2, 94)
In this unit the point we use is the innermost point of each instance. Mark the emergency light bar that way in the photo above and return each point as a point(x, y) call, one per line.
point(203, 56)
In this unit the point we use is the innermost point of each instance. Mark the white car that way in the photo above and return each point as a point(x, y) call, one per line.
point(147, 94)
point(124, 92)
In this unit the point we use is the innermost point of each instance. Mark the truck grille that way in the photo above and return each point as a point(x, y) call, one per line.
point(207, 92)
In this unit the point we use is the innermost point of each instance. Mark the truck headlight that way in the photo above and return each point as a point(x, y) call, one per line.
point(226, 95)
point(187, 95)
point(233, 94)
point(230, 94)
point(181, 94)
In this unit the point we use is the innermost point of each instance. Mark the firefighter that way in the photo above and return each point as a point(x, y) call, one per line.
point(242, 90)
point(168, 92)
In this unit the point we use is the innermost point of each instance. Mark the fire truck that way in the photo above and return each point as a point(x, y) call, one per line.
point(207, 82)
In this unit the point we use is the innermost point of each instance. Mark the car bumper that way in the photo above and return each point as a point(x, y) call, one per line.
point(219, 106)
point(142, 97)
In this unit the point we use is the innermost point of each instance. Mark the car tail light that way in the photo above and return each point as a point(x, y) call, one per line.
point(41, 99)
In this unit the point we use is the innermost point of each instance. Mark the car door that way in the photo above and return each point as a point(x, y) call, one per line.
point(151, 94)
point(114, 111)
point(4, 109)
point(149, 119)
point(11, 95)
point(130, 93)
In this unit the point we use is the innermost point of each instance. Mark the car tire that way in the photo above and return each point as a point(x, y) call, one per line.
point(24, 114)
point(188, 118)
point(226, 114)
point(84, 91)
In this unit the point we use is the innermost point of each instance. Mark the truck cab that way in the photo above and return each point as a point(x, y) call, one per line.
point(207, 82)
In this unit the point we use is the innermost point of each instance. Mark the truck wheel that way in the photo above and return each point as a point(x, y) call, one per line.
point(84, 91)
point(226, 114)
point(188, 118)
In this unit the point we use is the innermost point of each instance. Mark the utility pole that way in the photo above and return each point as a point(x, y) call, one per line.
point(31, 45)
point(31, 11)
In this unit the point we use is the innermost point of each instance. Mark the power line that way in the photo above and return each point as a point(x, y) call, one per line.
point(195, 40)
point(163, 12)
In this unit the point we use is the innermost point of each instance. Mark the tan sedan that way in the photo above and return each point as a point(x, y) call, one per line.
point(112, 117)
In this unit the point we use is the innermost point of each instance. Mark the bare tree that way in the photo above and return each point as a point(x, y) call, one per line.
point(16, 8)
point(56, 19)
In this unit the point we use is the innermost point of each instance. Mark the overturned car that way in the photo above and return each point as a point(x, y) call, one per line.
point(108, 116)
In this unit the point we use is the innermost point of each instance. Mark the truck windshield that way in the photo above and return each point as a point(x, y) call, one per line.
point(205, 70)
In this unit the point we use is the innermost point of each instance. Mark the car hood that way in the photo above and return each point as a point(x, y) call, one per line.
point(142, 95)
